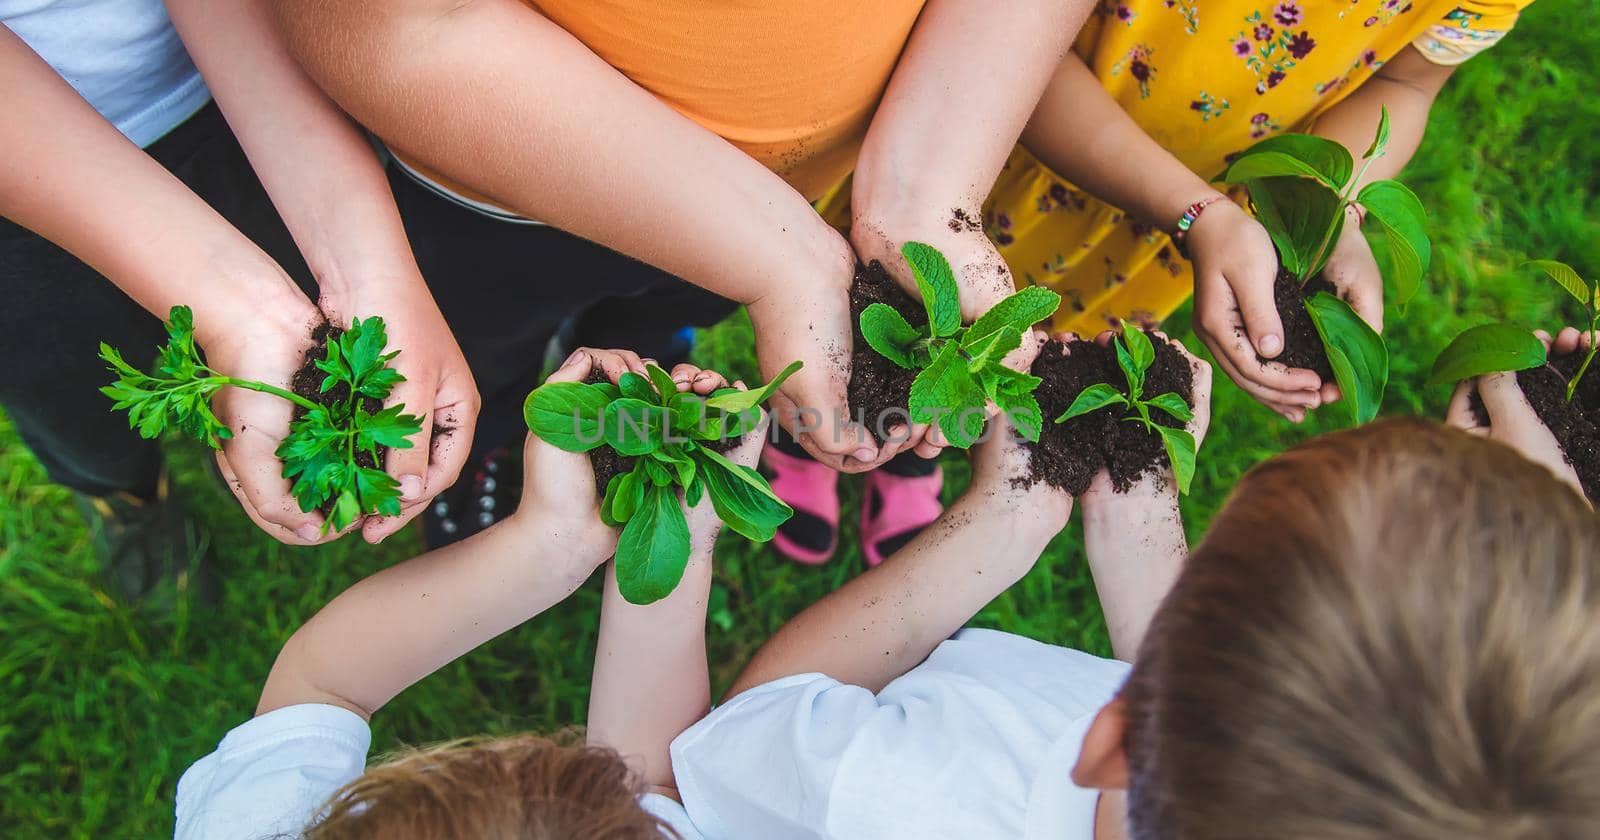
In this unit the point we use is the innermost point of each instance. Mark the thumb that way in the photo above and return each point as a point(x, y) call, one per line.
point(1253, 289)
point(255, 473)
point(1504, 400)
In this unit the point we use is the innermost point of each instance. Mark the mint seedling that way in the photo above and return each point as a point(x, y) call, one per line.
point(1300, 186)
point(1135, 355)
point(1492, 348)
point(332, 451)
point(960, 367)
point(669, 435)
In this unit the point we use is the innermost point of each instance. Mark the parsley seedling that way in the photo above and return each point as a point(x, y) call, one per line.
point(667, 434)
point(960, 367)
point(1300, 186)
point(322, 453)
point(1135, 355)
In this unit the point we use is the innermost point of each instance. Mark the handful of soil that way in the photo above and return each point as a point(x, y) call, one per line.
point(1575, 424)
point(307, 382)
point(1068, 455)
point(1302, 346)
point(879, 390)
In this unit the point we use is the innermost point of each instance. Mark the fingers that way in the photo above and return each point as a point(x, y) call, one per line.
point(409, 465)
point(1287, 391)
point(1459, 412)
point(1290, 405)
point(255, 474)
point(1504, 401)
point(1252, 289)
point(1566, 341)
point(447, 447)
point(698, 380)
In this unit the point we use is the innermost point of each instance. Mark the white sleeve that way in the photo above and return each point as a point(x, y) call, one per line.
point(764, 763)
point(667, 809)
point(269, 775)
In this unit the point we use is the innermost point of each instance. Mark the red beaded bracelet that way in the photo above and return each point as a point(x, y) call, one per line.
point(1187, 220)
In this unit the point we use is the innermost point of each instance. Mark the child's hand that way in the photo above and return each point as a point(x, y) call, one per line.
point(1000, 465)
point(1235, 314)
point(1100, 489)
point(1353, 271)
point(1512, 421)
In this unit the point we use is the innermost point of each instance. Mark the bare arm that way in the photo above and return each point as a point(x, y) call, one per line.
point(1135, 545)
point(509, 104)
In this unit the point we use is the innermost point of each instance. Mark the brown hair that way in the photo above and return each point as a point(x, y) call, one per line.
point(1390, 632)
point(521, 787)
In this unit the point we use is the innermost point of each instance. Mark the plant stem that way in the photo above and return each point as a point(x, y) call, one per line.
point(1327, 239)
point(264, 388)
point(1594, 346)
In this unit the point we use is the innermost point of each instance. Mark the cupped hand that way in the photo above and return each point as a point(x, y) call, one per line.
point(1000, 468)
point(438, 387)
point(1353, 271)
point(1235, 267)
point(1512, 420)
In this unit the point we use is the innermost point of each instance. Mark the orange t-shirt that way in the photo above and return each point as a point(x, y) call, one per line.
point(793, 83)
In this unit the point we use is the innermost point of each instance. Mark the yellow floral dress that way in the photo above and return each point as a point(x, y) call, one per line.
point(1205, 81)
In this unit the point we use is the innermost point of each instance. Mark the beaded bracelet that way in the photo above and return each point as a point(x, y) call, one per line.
point(1187, 220)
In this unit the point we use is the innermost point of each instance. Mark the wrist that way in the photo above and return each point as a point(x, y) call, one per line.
point(570, 549)
point(1205, 207)
point(251, 295)
point(1035, 514)
point(1152, 491)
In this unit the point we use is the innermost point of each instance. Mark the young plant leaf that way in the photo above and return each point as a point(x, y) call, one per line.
point(945, 393)
point(1181, 452)
point(1139, 346)
point(1093, 398)
point(662, 381)
point(1357, 354)
point(1172, 404)
point(636, 387)
point(937, 283)
point(567, 415)
point(1568, 279)
point(733, 399)
point(1016, 313)
point(1024, 413)
point(653, 548)
point(1297, 213)
point(1487, 348)
point(633, 426)
point(689, 415)
point(1404, 224)
point(742, 498)
point(986, 353)
point(887, 332)
point(1297, 155)
point(1380, 143)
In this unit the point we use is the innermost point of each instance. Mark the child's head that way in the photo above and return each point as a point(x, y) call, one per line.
point(1391, 632)
point(521, 787)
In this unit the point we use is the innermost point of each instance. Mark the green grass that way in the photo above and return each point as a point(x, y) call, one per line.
point(104, 706)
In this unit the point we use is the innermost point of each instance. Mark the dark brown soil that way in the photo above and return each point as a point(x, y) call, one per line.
point(607, 463)
point(307, 382)
point(880, 390)
point(1576, 424)
point(1068, 455)
point(1302, 347)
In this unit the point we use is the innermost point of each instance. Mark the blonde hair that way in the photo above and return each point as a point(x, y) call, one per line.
point(520, 787)
point(1390, 632)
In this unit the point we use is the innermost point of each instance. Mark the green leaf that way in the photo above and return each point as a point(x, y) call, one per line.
point(1380, 143)
point(1093, 398)
point(887, 332)
point(742, 498)
point(386, 428)
point(1016, 313)
point(665, 387)
point(1404, 224)
point(733, 399)
point(1297, 214)
point(945, 393)
point(624, 494)
point(567, 415)
point(1567, 277)
point(1132, 371)
point(636, 387)
point(378, 492)
point(633, 426)
point(1172, 404)
point(1357, 354)
point(1024, 413)
point(1488, 348)
point(1296, 155)
point(1139, 346)
point(987, 352)
point(653, 548)
point(688, 414)
point(1181, 453)
point(937, 283)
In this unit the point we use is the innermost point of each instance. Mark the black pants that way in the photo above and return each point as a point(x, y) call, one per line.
point(504, 290)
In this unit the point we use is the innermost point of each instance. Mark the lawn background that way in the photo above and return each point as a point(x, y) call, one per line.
point(102, 707)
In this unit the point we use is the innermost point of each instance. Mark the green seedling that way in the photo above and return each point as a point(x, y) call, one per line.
point(1135, 355)
point(1300, 186)
point(1492, 348)
point(666, 433)
point(323, 450)
point(960, 368)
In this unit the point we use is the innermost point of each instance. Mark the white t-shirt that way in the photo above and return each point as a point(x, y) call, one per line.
point(976, 742)
point(268, 776)
point(123, 56)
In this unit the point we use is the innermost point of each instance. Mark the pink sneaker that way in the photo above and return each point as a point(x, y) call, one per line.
point(812, 489)
point(895, 508)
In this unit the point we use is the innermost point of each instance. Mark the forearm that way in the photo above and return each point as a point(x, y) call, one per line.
point(650, 677)
point(884, 622)
point(556, 134)
point(71, 177)
point(405, 622)
point(1407, 87)
point(324, 178)
point(959, 97)
point(1080, 132)
point(1136, 546)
